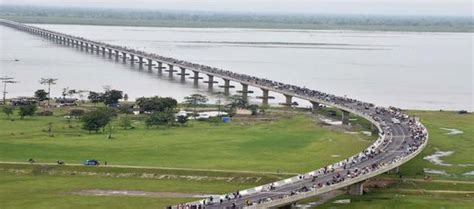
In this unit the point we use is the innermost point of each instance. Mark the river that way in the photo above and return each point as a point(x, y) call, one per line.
point(404, 69)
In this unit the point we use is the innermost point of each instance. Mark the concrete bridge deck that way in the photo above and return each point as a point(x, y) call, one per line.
point(397, 142)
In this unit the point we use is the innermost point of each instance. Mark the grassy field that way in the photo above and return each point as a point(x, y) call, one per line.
point(453, 190)
point(282, 144)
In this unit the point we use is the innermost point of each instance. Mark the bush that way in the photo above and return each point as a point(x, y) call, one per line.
point(27, 110)
point(76, 113)
point(45, 113)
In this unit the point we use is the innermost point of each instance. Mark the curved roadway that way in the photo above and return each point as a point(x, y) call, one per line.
point(399, 140)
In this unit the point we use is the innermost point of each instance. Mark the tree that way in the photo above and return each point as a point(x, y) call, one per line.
point(76, 113)
point(71, 92)
point(125, 97)
point(159, 119)
point(41, 95)
point(195, 100)
point(97, 119)
point(125, 122)
point(27, 110)
point(238, 102)
point(111, 97)
point(49, 82)
point(8, 110)
point(95, 97)
point(156, 104)
point(253, 109)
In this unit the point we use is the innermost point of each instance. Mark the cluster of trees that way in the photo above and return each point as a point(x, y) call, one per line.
point(109, 97)
point(23, 110)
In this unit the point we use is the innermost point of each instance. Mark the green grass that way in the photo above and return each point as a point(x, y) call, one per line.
point(283, 145)
point(397, 200)
point(409, 194)
point(48, 192)
point(462, 144)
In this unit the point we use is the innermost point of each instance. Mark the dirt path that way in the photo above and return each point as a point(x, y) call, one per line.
point(160, 168)
point(436, 191)
point(434, 181)
point(98, 192)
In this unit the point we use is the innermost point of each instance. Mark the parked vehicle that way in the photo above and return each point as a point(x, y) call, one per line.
point(91, 162)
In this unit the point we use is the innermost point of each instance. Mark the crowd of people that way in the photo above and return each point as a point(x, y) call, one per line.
point(341, 171)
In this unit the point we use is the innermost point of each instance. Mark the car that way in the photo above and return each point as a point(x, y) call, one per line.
point(91, 162)
point(395, 121)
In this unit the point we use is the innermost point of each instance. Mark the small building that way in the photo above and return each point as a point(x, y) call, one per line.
point(23, 101)
point(66, 102)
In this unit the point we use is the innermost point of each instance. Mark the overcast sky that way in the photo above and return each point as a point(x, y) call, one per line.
point(364, 7)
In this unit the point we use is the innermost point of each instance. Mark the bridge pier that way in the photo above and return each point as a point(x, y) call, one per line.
point(132, 59)
point(314, 106)
point(150, 65)
point(226, 87)
point(210, 82)
point(140, 62)
point(87, 47)
point(288, 100)
point(82, 45)
point(117, 55)
point(183, 74)
point(124, 57)
point(160, 68)
point(265, 97)
point(97, 50)
point(395, 170)
point(245, 91)
point(356, 189)
point(170, 70)
point(110, 53)
point(196, 78)
point(345, 117)
point(103, 51)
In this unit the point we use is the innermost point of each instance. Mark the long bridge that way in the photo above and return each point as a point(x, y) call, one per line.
point(401, 137)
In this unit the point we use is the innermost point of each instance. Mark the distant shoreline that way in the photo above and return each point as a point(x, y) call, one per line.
point(216, 19)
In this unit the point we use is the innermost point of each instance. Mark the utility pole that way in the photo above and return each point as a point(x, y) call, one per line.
point(6, 80)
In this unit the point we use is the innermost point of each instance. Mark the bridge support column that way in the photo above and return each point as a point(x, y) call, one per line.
point(98, 50)
point(226, 86)
point(170, 70)
point(132, 59)
point(103, 51)
point(183, 74)
point(117, 54)
point(150, 65)
point(87, 47)
point(245, 91)
point(314, 107)
point(110, 53)
point(140, 62)
point(124, 57)
point(345, 117)
point(196, 78)
point(210, 82)
point(160, 68)
point(356, 189)
point(394, 171)
point(82, 45)
point(288, 100)
point(265, 97)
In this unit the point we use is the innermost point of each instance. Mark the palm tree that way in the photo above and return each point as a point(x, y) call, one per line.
point(49, 82)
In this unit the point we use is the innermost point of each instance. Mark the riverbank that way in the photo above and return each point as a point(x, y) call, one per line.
point(71, 186)
point(150, 18)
